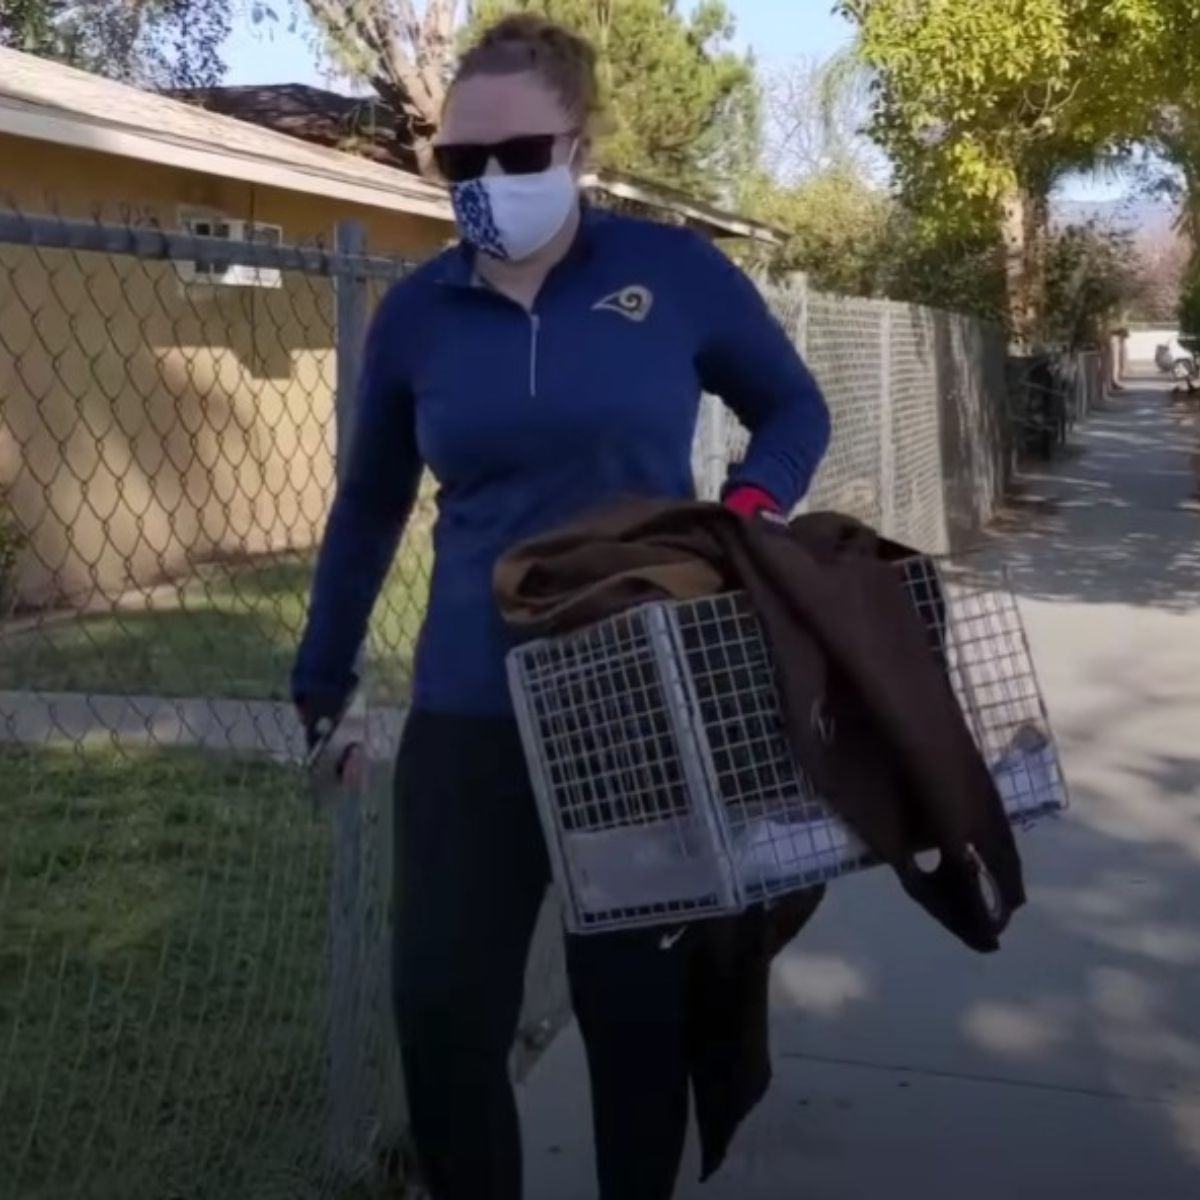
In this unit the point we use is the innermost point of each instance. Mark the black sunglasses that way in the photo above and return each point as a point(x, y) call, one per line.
point(527, 155)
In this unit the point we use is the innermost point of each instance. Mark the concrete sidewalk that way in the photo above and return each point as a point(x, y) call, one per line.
point(32, 718)
point(1069, 1064)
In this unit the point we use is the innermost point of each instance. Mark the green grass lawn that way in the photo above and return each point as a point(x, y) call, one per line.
point(231, 630)
point(163, 977)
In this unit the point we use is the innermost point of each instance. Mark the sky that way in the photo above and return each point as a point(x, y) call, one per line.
point(776, 30)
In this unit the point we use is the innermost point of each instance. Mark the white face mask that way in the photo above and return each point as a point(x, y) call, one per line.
point(512, 217)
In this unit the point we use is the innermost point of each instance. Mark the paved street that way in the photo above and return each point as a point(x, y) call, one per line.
point(1068, 1065)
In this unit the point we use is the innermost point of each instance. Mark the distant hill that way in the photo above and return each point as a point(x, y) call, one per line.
point(1137, 214)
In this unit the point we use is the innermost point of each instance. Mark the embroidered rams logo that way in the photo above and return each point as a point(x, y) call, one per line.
point(633, 302)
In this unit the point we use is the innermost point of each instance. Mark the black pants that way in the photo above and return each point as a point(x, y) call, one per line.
point(472, 872)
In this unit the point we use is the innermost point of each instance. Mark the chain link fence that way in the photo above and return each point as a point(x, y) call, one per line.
point(921, 448)
point(194, 997)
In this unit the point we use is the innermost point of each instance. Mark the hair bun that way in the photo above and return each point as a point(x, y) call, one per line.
point(518, 27)
point(528, 41)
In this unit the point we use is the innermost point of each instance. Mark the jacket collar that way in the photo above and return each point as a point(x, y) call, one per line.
point(458, 264)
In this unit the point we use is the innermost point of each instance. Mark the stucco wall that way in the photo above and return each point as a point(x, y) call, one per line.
point(148, 424)
point(39, 177)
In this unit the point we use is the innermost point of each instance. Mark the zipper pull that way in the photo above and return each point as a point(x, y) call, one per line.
point(535, 327)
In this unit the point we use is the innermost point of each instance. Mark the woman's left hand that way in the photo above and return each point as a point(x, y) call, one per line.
point(750, 502)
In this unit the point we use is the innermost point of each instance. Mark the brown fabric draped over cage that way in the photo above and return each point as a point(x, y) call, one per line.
point(870, 715)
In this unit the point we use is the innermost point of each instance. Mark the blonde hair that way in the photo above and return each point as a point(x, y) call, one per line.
point(563, 60)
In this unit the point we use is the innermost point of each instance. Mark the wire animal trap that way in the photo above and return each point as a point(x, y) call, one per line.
point(663, 775)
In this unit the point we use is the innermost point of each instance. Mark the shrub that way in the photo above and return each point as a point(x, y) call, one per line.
point(1092, 276)
point(12, 542)
point(1189, 310)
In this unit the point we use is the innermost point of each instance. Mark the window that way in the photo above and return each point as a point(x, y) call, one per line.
point(212, 269)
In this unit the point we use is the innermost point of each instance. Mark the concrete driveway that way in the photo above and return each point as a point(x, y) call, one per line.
point(1069, 1064)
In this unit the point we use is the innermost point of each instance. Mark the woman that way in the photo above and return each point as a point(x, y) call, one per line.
point(551, 363)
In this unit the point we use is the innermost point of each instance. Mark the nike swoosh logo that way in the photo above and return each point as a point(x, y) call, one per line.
point(671, 940)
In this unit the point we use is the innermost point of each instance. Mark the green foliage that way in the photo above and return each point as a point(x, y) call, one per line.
point(31, 26)
point(683, 106)
point(1176, 143)
point(837, 228)
point(991, 97)
point(1189, 312)
point(982, 106)
point(12, 542)
point(1091, 277)
point(954, 270)
point(155, 42)
point(849, 236)
point(1163, 257)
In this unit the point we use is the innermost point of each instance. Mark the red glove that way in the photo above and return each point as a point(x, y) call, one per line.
point(750, 502)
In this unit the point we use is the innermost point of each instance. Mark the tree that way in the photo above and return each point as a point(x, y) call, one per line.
point(1176, 142)
point(1092, 276)
point(1189, 313)
point(682, 106)
point(403, 54)
point(1163, 258)
point(816, 113)
point(823, 184)
point(983, 106)
point(815, 182)
point(155, 43)
point(837, 228)
point(959, 271)
point(1177, 130)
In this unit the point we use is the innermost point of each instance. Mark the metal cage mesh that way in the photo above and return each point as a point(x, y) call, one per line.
point(665, 781)
point(607, 705)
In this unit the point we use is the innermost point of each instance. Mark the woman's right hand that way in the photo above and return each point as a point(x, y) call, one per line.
point(320, 724)
point(352, 766)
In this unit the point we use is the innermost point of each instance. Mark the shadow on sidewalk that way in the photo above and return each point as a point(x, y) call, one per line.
point(1066, 1065)
point(1069, 1063)
point(1118, 520)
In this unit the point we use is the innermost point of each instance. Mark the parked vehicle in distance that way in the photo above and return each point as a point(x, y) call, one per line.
point(1173, 359)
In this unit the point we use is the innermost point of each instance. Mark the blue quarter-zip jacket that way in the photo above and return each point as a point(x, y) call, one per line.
point(529, 419)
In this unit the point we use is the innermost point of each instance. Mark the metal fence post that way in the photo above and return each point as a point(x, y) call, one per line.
point(348, 1013)
point(887, 442)
point(799, 285)
point(709, 461)
point(798, 281)
point(351, 298)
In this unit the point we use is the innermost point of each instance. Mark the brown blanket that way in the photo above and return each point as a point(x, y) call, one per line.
point(852, 659)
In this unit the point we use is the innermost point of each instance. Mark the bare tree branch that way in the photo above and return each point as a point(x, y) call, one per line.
point(406, 20)
point(344, 34)
point(404, 54)
point(816, 112)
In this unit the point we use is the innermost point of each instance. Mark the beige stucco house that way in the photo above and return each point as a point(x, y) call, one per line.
point(150, 420)
point(154, 416)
